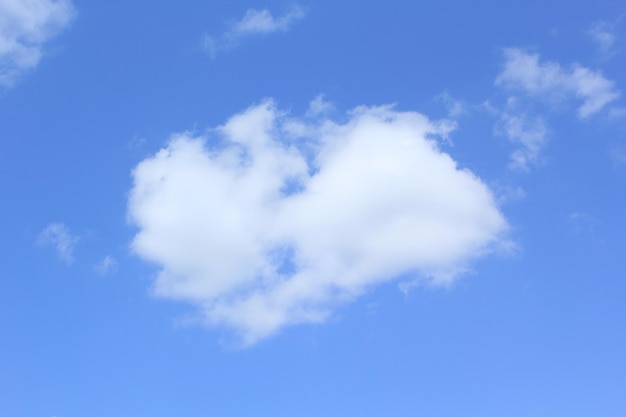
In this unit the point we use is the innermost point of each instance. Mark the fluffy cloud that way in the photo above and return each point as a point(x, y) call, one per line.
point(59, 236)
point(25, 26)
point(524, 71)
point(270, 220)
point(254, 22)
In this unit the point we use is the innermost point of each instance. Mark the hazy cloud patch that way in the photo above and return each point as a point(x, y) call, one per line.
point(58, 235)
point(528, 134)
point(617, 153)
point(25, 27)
point(106, 265)
point(603, 34)
point(454, 106)
point(253, 23)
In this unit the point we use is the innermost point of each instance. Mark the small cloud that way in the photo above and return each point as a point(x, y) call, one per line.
point(261, 22)
point(25, 27)
point(603, 34)
point(524, 71)
point(60, 237)
point(455, 107)
point(528, 133)
point(253, 23)
point(319, 106)
point(530, 80)
point(107, 265)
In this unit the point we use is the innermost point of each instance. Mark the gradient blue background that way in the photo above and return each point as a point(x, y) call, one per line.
point(538, 333)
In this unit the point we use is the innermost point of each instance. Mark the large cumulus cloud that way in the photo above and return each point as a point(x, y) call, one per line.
point(271, 220)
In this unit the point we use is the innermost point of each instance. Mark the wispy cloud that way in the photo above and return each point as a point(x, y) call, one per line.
point(523, 128)
point(106, 265)
point(261, 21)
point(319, 106)
point(25, 26)
point(455, 107)
point(273, 228)
point(506, 193)
point(530, 83)
point(602, 32)
point(528, 134)
point(617, 153)
point(59, 236)
point(254, 22)
point(523, 71)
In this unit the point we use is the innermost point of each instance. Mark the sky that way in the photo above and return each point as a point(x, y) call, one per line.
point(399, 208)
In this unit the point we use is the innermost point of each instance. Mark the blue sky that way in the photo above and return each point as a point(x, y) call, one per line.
point(312, 209)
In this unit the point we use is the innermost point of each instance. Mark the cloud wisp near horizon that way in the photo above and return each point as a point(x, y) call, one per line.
point(275, 220)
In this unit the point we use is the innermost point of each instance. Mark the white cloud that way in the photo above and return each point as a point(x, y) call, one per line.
point(254, 22)
point(108, 264)
point(25, 26)
point(59, 236)
point(262, 228)
point(524, 71)
point(319, 106)
point(528, 133)
point(262, 21)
